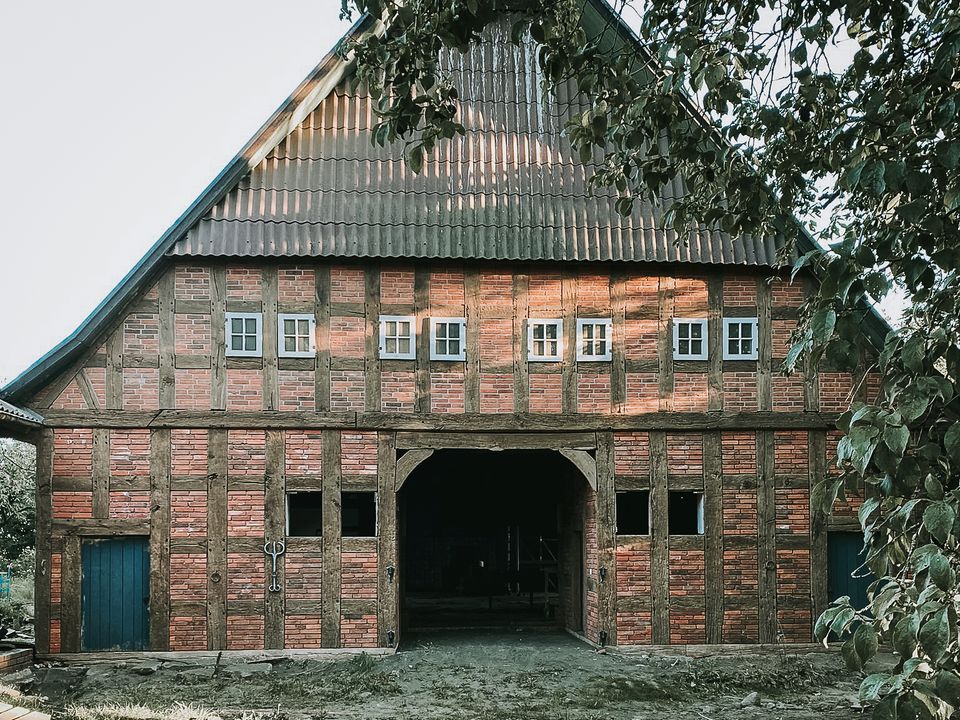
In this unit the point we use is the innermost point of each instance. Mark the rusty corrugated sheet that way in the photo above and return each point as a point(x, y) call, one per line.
point(511, 189)
point(13, 413)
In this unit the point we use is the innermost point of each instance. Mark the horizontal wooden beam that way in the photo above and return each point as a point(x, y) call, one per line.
point(495, 441)
point(470, 422)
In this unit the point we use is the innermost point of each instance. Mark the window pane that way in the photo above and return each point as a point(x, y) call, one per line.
point(684, 347)
point(453, 347)
point(538, 348)
point(586, 348)
point(733, 347)
point(391, 345)
point(746, 346)
point(251, 326)
point(733, 330)
point(551, 331)
point(289, 327)
point(391, 328)
point(236, 325)
point(602, 332)
point(586, 331)
point(696, 330)
point(683, 330)
point(404, 345)
point(601, 347)
point(303, 344)
point(552, 348)
point(442, 330)
point(236, 342)
point(403, 328)
point(538, 332)
point(453, 330)
point(696, 347)
point(289, 344)
point(249, 342)
point(746, 330)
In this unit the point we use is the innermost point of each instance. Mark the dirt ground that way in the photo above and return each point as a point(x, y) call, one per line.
point(487, 676)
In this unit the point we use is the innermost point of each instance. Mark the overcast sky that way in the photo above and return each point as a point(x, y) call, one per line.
point(115, 116)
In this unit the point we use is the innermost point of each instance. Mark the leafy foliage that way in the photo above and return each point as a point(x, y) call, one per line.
point(844, 114)
point(17, 504)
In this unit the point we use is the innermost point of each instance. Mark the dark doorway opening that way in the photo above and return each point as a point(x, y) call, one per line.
point(493, 540)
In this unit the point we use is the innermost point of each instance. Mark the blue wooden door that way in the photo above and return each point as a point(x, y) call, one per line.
point(115, 592)
point(844, 557)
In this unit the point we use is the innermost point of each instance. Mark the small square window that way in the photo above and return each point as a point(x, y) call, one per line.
point(689, 339)
point(304, 514)
point(685, 513)
point(295, 335)
point(398, 337)
point(243, 334)
point(740, 338)
point(633, 512)
point(593, 339)
point(359, 514)
point(544, 340)
point(448, 338)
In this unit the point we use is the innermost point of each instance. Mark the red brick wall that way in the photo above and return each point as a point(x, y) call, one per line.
point(141, 388)
point(358, 575)
point(188, 633)
point(304, 452)
point(244, 389)
point(358, 631)
point(191, 283)
point(296, 285)
point(244, 283)
point(246, 452)
point(188, 513)
point(130, 504)
point(71, 398)
point(188, 452)
point(690, 392)
point(397, 391)
point(346, 390)
point(296, 390)
point(496, 393)
point(631, 454)
point(141, 334)
point(303, 574)
point(244, 632)
point(447, 392)
point(346, 285)
point(302, 631)
point(188, 577)
point(358, 453)
point(546, 393)
point(72, 452)
point(245, 513)
point(593, 392)
point(396, 286)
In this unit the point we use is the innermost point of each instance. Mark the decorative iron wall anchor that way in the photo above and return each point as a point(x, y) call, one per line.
point(274, 549)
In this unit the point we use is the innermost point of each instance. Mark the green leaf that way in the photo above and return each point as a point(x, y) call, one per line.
point(886, 709)
point(934, 635)
point(870, 687)
point(866, 642)
point(951, 441)
point(823, 323)
point(896, 438)
point(940, 573)
point(871, 178)
point(938, 519)
point(415, 157)
point(948, 687)
point(905, 635)
point(914, 352)
point(850, 656)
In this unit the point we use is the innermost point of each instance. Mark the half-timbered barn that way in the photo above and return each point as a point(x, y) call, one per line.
point(337, 402)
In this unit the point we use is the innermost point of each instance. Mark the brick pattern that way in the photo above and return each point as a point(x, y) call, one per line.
point(546, 393)
point(686, 573)
point(188, 577)
point(244, 632)
point(740, 512)
point(836, 391)
point(593, 392)
point(303, 573)
point(301, 632)
point(358, 632)
point(739, 450)
point(788, 393)
point(633, 569)
point(56, 577)
point(496, 288)
point(72, 452)
point(246, 452)
point(188, 452)
point(690, 392)
point(496, 342)
point(191, 334)
point(346, 285)
point(72, 505)
point(245, 576)
point(685, 453)
point(397, 391)
point(793, 511)
point(141, 389)
point(129, 453)
point(141, 334)
point(358, 578)
point(396, 286)
point(296, 285)
point(296, 390)
point(784, 293)
point(780, 337)
point(641, 291)
point(130, 504)
point(188, 633)
point(634, 628)
point(244, 283)
point(690, 296)
point(740, 391)
point(244, 389)
point(188, 513)
point(739, 290)
point(71, 398)
point(741, 625)
point(496, 393)
point(793, 571)
point(643, 393)
point(98, 383)
point(304, 452)
point(545, 291)
point(191, 283)
point(790, 455)
point(447, 392)
point(640, 339)
point(192, 391)
point(593, 291)
point(245, 513)
point(346, 390)
point(631, 454)
point(54, 636)
point(346, 337)
point(358, 453)
point(688, 627)
point(446, 288)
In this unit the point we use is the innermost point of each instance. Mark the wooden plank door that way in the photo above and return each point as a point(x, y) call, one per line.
point(843, 559)
point(115, 594)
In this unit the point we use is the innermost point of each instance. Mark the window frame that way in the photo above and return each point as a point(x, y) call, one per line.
point(228, 335)
point(616, 524)
point(727, 322)
point(312, 351)
point(434, 323)
point(701, 528)
point(291, 493)
point(702, 322)
point(375, 495)
point(606, 323)
point(383, 354)
point(531, 324)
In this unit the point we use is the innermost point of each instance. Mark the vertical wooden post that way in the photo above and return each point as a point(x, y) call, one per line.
point(471, 380)
point(44, 521)
point(766, 537)
point(330, 587)
point(160, 539)
point(321, 315)
point(114, 372)
point(659, 540)
point(167, 341)
point(218, 359)
point(618, 366)
point(606, 537)
point(521, 380)
point(665, 342)
point(271, 381)
point(421, 306)
point(568, 294)
point(217, 540)
point(371, 361)
point(811, 380)
point(101, 473)
point(70, 619)
point(819, 569)
point(764, 347)
point(274, 529)
point(715, 343)
point(713, 540)
point(388, 580)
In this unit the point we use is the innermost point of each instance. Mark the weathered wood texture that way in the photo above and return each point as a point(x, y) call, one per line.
point(388, 578)
point(274, 515)
point(159, 539)
point(217, 540)
point(330, 584)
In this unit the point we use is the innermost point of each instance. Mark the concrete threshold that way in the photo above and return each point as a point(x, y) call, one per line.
point(213, 656)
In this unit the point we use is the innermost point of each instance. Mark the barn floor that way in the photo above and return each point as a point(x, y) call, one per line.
point(483, 676)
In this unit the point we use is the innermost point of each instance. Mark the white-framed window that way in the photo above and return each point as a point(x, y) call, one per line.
point(398, 337)
point(448, 338)
point(544, 340)
point(740, 338)
point(244, 334)
point(593, 339)
point(689, 339)
point(296, 335)
point(685, 512)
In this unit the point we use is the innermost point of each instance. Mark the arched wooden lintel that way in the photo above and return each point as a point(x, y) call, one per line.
point(407, 463)
point(585, 463)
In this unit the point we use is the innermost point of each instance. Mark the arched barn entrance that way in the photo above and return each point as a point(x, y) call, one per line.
point(496, 539)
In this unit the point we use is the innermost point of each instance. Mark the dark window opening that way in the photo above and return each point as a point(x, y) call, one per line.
point(359, 514)
point(304, 514)
point(633, 512)
point(685, 513)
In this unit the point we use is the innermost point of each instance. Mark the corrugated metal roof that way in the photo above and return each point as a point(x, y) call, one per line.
point(19, 415)
point(511, 189)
